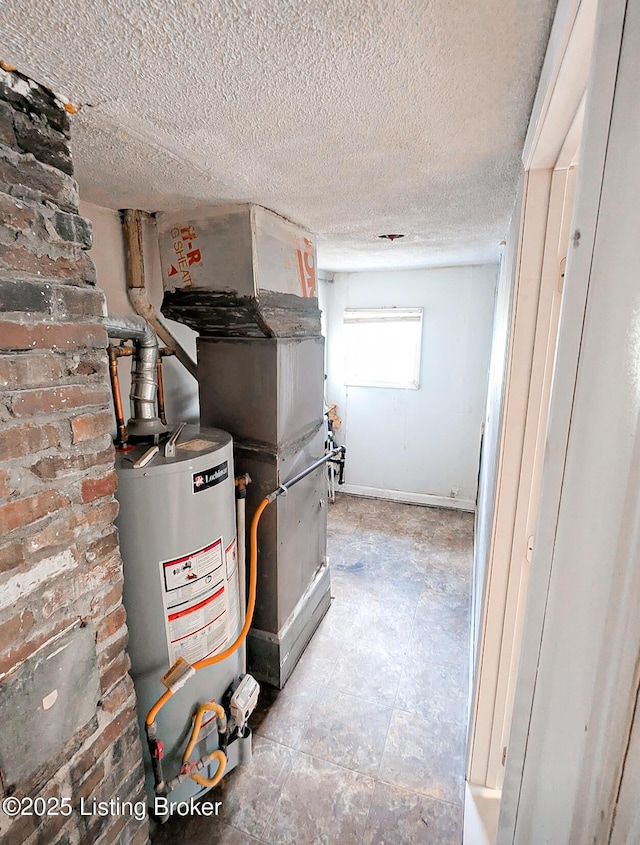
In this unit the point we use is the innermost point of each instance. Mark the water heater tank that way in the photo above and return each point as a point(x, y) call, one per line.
point(178, 542)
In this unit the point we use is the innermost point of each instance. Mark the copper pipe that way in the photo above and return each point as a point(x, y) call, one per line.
point(122, 351)
point(116, 352)
point(144, 420)
point(163, 352)
point(161, 409)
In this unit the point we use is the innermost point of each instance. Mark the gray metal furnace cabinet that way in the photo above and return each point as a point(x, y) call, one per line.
point(268, 394)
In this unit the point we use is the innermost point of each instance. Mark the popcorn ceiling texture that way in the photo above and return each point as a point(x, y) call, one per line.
point(351, 118)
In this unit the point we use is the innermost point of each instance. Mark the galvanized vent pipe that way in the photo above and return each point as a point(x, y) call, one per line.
point(144, 379)
point(137, 291)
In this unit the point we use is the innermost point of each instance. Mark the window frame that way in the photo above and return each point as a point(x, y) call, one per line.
point(390, 314)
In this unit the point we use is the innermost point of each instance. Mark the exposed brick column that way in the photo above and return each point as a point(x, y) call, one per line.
point(60, 565)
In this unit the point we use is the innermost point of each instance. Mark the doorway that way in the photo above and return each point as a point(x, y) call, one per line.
point(533, 278)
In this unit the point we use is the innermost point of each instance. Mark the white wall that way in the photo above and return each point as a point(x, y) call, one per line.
point(417, 445)
point(181, 389)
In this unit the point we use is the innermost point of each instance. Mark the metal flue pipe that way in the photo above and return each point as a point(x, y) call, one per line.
point(144, 380)
point(136, 288)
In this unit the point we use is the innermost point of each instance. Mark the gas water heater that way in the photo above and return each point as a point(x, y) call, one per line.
point(183, 572)
point(179, 549)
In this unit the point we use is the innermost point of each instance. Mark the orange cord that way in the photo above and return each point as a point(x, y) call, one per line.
point(251, 604)
point(215, 780)
point(151, 715)
point(212, 707)
point(253, 579)
point(209, 707)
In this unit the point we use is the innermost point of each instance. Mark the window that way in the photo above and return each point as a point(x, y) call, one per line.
point(382, 347)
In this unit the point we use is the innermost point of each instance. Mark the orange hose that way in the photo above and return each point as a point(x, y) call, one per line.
point(151, 715)
point(213, 707)
point(251, 604)
point(253, 580)
point(210, 706)
point(215, 780)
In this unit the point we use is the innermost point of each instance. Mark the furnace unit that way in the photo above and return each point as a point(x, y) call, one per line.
point(245, 279)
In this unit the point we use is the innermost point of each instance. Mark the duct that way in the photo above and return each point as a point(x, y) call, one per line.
point(131, 225)
point(238, 270)
point(144, 381)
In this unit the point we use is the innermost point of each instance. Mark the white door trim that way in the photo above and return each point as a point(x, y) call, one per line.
point(562, 84)
point(528, 268)
point(552, 133)
point(556, 240)
point(512, 828)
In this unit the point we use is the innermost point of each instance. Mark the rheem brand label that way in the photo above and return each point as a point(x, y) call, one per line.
point(207, 478)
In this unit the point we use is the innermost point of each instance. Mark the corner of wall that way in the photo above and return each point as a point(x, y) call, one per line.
point(68, 735)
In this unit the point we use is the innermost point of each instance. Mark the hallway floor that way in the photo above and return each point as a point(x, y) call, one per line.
point(365, 745)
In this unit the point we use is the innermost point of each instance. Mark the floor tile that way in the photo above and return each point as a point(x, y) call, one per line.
point(226, 835)
point(425, 756)
point(249, 793)
point(406, 818)
point(436, 604)
point(318, 660)
point(350, 555)
point(282, 715)
point(451, 620)
point(340, 618)
point(398, 590)
point(446, 580)
point(352, 589)
point(393, 622)
point(440, 642)
point(393, 590)
point(369, 670)
point(434, 691)
point(320, 804)
point(347, 731)
point(199, 830)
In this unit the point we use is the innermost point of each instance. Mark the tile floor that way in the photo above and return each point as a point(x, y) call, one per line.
point(365, 745)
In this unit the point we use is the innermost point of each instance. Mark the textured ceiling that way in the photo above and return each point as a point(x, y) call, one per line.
point(351, 118)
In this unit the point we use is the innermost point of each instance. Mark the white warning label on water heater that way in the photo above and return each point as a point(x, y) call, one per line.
point(197, 602)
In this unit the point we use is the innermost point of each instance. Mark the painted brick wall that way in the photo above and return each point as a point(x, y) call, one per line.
point(59, 558)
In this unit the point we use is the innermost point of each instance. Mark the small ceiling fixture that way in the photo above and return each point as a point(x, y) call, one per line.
point(391, 237)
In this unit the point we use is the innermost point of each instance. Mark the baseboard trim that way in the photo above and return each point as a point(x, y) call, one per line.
point(481, 814)
point(408, 498)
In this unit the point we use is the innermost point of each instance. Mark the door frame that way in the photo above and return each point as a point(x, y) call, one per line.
point(596, 776)
point(551, 139)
